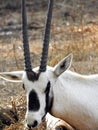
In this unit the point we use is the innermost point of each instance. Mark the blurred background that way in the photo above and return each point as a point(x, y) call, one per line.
point(74, 30)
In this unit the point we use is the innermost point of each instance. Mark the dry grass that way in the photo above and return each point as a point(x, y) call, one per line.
point(81, 41)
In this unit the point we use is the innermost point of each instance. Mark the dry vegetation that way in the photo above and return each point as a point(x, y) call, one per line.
point(68, 36)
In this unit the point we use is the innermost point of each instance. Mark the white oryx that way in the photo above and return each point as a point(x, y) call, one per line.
point(67, 95)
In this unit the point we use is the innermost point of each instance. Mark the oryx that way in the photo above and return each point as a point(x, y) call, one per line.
point(65, 94)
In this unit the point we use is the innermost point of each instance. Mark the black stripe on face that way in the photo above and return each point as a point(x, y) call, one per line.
point(47, 96)
point(48, 100)
point(33, 104)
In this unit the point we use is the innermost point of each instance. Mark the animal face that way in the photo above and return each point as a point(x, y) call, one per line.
point(38, 97)
point(39, 91)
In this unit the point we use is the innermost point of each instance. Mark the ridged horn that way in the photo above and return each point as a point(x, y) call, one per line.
point(27, 60)
point(44, 57)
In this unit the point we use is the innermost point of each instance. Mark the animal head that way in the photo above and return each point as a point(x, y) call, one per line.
point(38, 88)
point(38, 82)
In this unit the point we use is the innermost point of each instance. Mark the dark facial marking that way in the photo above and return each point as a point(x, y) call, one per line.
point(33, 103)
point(47, 96)
point(32, 76)
point(48, 100)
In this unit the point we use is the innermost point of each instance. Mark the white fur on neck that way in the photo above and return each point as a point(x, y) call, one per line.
point(76, 100)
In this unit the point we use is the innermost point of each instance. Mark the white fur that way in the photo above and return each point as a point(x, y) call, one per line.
point(39, 88)
point(76, 100)
point(75, 96)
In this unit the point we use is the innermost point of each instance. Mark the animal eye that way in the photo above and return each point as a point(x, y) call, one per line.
point(23, 86)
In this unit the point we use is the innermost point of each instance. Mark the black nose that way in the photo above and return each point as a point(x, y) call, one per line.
point(32, 125)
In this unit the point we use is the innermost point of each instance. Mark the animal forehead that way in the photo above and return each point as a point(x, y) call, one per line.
point(39, 84)
point(41, 76)
point(43, 79)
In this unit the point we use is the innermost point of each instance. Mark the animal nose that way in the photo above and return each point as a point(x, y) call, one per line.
point(35, 123)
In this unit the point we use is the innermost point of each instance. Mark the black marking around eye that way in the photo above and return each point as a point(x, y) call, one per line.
point(49, 100)
point(47, 97)
point(33, 103)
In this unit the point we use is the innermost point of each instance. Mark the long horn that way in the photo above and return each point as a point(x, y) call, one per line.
point(27, 60)
point(44, 57)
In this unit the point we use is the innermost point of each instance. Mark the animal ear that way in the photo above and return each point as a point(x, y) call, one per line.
point(63, 65)
point(14, 76)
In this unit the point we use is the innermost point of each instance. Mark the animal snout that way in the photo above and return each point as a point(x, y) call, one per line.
point(34, 124)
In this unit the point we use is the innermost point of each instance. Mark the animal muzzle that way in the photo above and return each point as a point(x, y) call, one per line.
point(33, 124)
